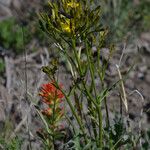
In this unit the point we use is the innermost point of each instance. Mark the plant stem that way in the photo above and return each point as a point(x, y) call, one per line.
point(91, 69)
point(94, 87)
point(107, 113)
point(76, 57)
point(76, 116)
point(100, 126)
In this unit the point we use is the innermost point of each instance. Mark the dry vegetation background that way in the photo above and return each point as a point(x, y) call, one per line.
point(17, 115)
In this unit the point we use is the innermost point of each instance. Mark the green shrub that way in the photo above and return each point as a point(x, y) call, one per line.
point(14, 144)
point(11, 35)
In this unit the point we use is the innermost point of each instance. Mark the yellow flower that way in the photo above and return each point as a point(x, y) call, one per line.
point(72, 4)
point(67, 26)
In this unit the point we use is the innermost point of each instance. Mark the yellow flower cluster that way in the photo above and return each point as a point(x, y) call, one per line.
point(68, 26)
point(73, 4)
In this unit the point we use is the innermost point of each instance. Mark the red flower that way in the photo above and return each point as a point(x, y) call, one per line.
point(50, 93)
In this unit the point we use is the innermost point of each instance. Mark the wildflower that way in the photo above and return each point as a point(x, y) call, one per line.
point(73, 4)
point(53, 98)
point(51, 94)
point(68, 25)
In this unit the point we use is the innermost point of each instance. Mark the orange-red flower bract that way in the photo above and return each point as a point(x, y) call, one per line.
point(47, 112)
point(50, 93)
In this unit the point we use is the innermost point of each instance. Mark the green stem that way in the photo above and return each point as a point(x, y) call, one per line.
point(98, 107)
point(101, 76)
point(89, 94)
point(91, 69)
point(76, 57)
point(93, 86)
point(106, 108)
point(84, 84)
point(100, 126)
point(76, 116)
point(80, 73)
point(107, 113)
point(79, 121)
point(68, 100)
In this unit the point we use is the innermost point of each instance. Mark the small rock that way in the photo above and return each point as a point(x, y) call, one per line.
point(143, 69)
point(141, 76)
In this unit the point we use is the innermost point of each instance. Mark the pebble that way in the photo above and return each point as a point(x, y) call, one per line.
point(143, 69)
point(141, 76)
